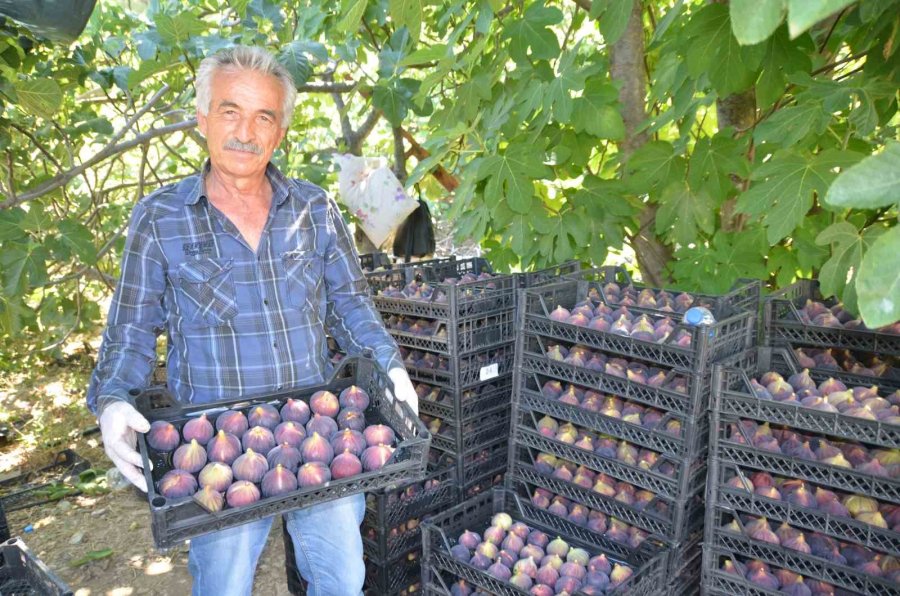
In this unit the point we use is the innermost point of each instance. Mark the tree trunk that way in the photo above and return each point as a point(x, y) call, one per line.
point(627, 69)
point(739, 112)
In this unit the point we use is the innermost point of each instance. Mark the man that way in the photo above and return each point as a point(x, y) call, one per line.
point(245, 269)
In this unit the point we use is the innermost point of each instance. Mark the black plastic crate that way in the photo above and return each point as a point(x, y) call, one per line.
point(453, 406)
point(808, 566)
point(733, 333)
point(441, 531)
point(23, 574)
point(690, 441)
point(471, 436)
point(735, 396)
point(671, 521)
point(400, 576)
point(399, 274)
point(465, 371)
point(375, 260)
point(484, 484)
point(387, 531)
point(451, 338)
point(745, 294)
point(479, 468)
point(686, 580)
point(21, 490)
point(175, 520)
point(717, 581)
point(845, 529)
point(783, 324)
point(888, 378)
point(540, 277)
point(843, 479)
point(448, 301)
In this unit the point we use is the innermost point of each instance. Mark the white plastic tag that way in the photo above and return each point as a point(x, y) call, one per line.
point(490, 371)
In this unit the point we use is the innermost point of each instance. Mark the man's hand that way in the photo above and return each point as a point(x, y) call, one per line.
point(118, 423)
point(404, 389)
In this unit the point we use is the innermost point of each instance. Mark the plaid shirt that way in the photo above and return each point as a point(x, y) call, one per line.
point(239, 322)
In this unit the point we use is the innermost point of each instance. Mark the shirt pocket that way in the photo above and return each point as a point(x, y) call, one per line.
point(303, 275)
point(205, 291)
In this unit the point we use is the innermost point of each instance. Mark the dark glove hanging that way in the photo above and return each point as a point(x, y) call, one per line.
point(415, 236)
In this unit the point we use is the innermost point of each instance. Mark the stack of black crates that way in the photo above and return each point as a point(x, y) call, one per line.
point(643, 403)
point(804, 493)
point(23, 574)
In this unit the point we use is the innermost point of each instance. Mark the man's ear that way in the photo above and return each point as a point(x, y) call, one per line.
point(201, 123)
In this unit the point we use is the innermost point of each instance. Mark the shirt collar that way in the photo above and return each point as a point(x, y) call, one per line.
point(281, 186)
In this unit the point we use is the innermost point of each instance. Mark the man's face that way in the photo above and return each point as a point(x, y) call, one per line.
point(243, 126)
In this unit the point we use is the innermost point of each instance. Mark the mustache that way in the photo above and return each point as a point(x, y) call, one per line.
point(239, 146)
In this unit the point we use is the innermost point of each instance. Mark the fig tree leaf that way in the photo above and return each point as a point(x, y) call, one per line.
point(716, 52)
point(351, 15)
point(870, 184)
point(654, 166)
point(407, 13)
point(847, 247)
point(79, 239)
point(612, 17)
point(40, 97)
point(781, 57)
point(878, 280)
point(596, 112)
point(783, 189)
point(683, 213)
point(753, 21)
point(803, 14)
point(532, 32)
point(178, 29)
point(789, 125)
point(293, 58)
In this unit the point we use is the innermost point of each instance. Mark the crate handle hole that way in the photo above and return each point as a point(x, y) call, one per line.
point(159, 501)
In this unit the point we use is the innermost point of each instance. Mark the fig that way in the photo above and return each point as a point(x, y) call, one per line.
point(278, 481)
point(521, 581)
point(802, 498)
point(286, 456)
point(259, 439)
point(345, 465)
point(316, 448)
point(488, 549)
point(873, 518)
point(560, 314)
point(469, 539)
point(324, 403)
point(163, 436)
point(210, 499)
point(552, 560)
point(479, 561)
point(190, 457)
point(506, 558)
point(532, 551)
point(354, 397)
point(375, 457)
point(572, 570)
point(759, 530)
point(176, 484)
point(519, 529)
point(802, 380)
point(547, 426)
point(349, 440)
point(495, 535)
point(499, 571)
point(460, 553)
point(251, 466)
point(831, 385)
point(289, 432)
point(313, 474)
point(323, 425)
point(619, 575)
point(241, 494)
point(547, 575)
point(763, 579)
point(567, 585)
point(379, 434)
point(264, 415)
point(352, 419)
point(198, 429)
point(295, 410)
point(217, 476)
point(558, 547)
point(233, 422)
point(223, 447)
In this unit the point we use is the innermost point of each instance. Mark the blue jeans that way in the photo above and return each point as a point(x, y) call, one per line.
point(327, 546)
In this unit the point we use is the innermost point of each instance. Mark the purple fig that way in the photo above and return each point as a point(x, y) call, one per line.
point(619, 575)
point(278, 481)
point(323, 425)
point(352, 419)
point(547, 575)
point(190, 457)
point(259, 439)
point(479, 561)
point(210, 499)
point(313, 474)
point(345, 465)
point(223, 447)
point(354, 397)
point(499, 571)
point(233, 422)
point(599, 564)
point(264, 415)
point(558, 547)
point(470, 539)
point(575, 570)
point(295, 410)
point(251, 466)
point(324, 403)
point(521, 581)
point(217, 476)
point(289, 432)
point(567, 585)
point(488, 549)
point(532, 551)
point(176, 484)
point(241, 494)
point(375, 457)
point(286, 456)
point(560, 314)
point(460, 553)
point(163, 436)
point(349, 440)
point(198, 429)
point(554, 561)
point(379, 434)
point(316, 448)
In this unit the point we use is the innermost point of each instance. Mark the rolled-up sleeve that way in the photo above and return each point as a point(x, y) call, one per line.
point(128, 352)
point(351, 316)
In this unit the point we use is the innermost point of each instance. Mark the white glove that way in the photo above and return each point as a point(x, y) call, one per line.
point(118, 423)
point(404, 388)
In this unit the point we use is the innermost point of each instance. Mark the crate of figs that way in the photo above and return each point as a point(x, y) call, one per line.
point(220, 465)
point(499, 544)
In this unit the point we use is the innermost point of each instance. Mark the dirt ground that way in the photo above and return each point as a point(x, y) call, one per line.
point(66, 531)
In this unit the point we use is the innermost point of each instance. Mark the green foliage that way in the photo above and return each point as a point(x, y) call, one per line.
point(514, 100)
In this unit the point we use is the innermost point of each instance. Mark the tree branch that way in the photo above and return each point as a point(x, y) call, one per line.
point(109, 151)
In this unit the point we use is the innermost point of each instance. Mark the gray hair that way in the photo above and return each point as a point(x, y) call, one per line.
point(244, 58)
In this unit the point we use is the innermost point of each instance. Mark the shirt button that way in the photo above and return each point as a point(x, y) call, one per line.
point(274, 344)
point(266, 301)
